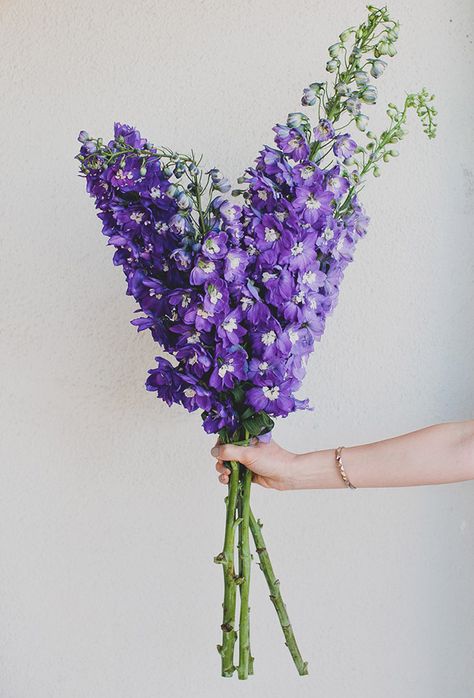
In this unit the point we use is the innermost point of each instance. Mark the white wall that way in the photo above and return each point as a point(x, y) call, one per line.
point(110, 508)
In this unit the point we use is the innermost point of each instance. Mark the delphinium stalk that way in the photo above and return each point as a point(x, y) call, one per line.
point(275, 595)
point(357, 57)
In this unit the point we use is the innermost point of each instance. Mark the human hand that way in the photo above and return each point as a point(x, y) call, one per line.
point(271, 465)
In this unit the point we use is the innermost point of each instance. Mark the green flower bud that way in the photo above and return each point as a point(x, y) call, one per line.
point(335, 50)
point(377, 68)
point(361, 78)
point(342, 89)
point(381, 48)
point(343, 36)
point(142, 171)
point(369, 95)
point(376, 172)
point(391, 50)
point(295, 120)
point(394, 153)
point(362, 121)
point(317, 87)
point(332, 66)
point(386, 157)
point(371, 134)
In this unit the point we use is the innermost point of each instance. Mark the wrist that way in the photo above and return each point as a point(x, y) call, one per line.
point(314, 470)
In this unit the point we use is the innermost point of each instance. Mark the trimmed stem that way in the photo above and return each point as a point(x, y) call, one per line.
point(275, 595)
point(226, 558)
point(245, 661)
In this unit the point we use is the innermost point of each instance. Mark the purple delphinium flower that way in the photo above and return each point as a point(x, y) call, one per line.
point(344, 146)
point(324, 131)
point(275, 399)
point(230, 367)
point(313, 202)
point(291, 141)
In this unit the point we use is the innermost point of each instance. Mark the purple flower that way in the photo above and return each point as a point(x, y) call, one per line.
point(164, 381)
point(203, 270)
point(324, 131)
point(230, 366)
point(344, 146)
point(236, 262)
point(129, 134)
point(216, 296)
point(300, 254)
point(214, 245)
point(275, 399)
point(291, 141)
point(230, 330)
point(269, 341)
point(222, 415)
point(313, 203)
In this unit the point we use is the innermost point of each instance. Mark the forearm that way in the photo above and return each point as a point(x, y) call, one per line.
point(436, 454)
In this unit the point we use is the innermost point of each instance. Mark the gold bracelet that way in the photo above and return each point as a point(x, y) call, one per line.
point(347, 482)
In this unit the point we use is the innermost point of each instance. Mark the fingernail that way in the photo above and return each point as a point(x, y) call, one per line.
point(214, 451)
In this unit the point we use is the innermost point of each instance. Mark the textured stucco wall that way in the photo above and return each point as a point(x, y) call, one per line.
point(110, 511)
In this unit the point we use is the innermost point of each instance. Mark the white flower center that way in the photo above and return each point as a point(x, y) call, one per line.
point(203, 313)
point(226, 368)
point(155, 192)
point(137, 216)
point(161, 228)
point(186, 300)
point(214, 295)
point(207, 267)
point(194, 338)
point(234, 261)
point(267, 275)
point(297, 249)
point(271, 393)
point(281, 216)
point(269, 338)
point(212, 246)
point(123, 175)
point(294, 142)
point(246, 303)
point(271, 235)
point(193, 360)
point(328, 233)
point(263, 365)
point(189, 392)
point(306, 172)
point(293, 335)
point(262, 194)
point(313, 203)
point(230, 325)
point(308, 277)
point(299, 298)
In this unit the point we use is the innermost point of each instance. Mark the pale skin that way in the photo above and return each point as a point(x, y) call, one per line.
point(437, 454)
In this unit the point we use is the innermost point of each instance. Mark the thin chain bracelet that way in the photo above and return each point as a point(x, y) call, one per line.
point(347, 482)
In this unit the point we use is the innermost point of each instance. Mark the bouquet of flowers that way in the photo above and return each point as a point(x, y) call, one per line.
point(237, 293)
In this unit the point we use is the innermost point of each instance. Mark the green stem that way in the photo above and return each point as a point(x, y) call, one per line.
point(275, 595)
point(245, 662)
point(226, 558)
